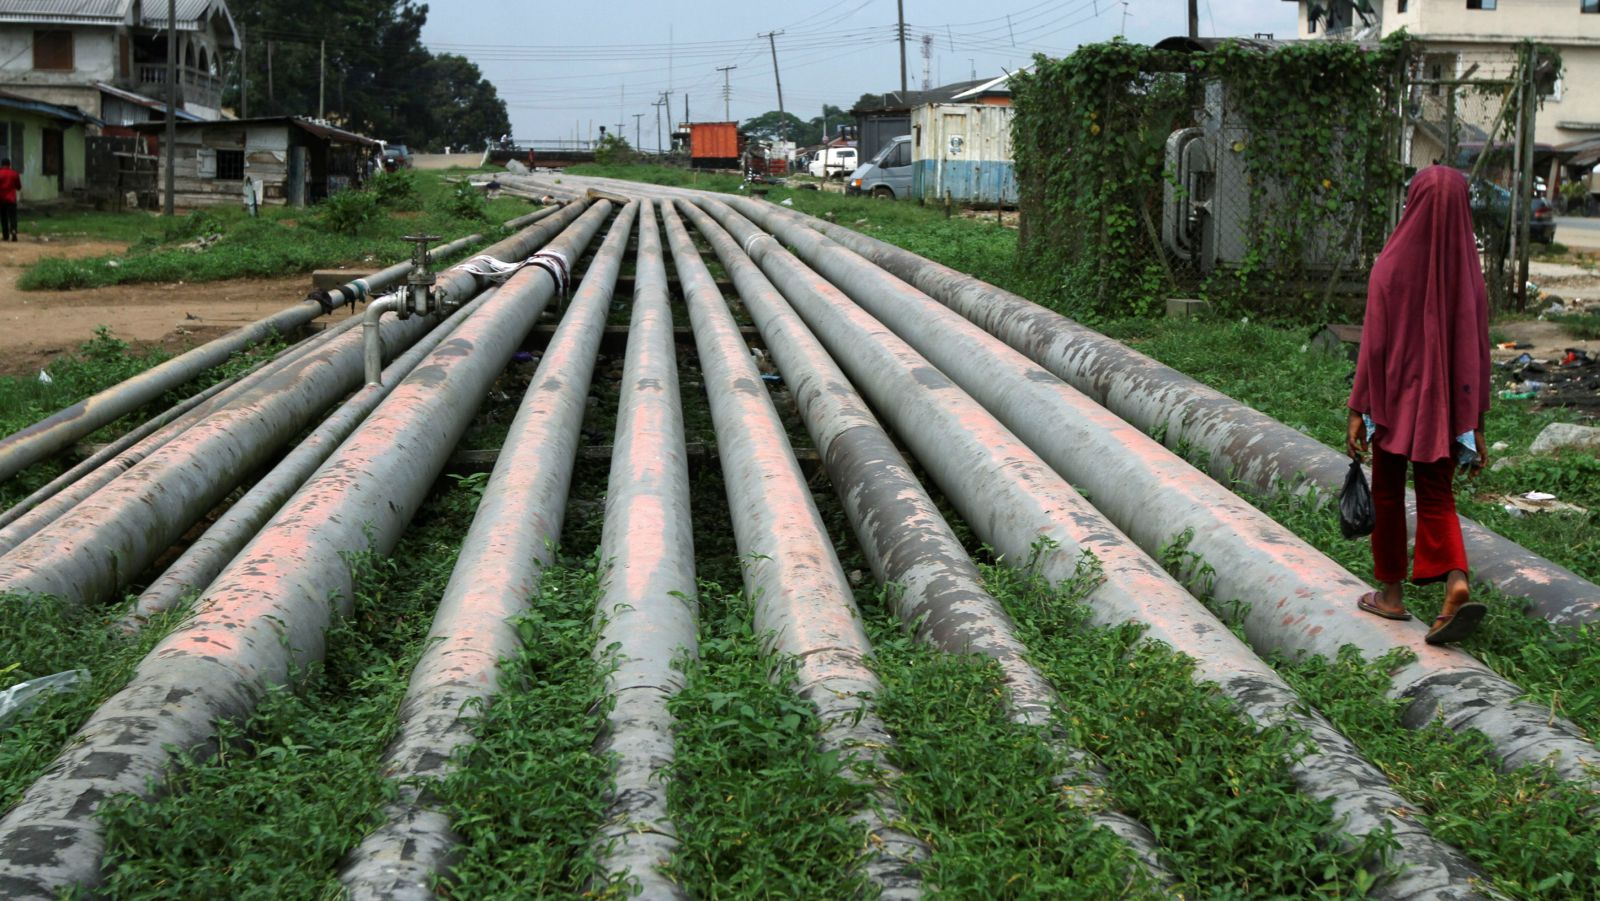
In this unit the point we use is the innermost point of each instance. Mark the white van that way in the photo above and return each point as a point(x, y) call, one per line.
point(887, 175)
point(833, 161)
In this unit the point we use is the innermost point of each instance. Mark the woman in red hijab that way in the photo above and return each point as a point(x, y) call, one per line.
point(1421, 390)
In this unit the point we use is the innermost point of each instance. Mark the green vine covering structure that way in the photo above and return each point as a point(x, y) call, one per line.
point(1320, 125)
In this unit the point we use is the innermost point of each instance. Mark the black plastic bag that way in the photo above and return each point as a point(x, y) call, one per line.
point(1356, 515)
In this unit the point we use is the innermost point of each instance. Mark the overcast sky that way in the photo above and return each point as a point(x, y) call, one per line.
point(566, 68)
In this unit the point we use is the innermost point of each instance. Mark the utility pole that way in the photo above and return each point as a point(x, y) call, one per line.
point(244, 75)
point(322, 77)
point(772, 39)
point(901, 31)
point(727, 92)
point(685, 107)
point(1194, 18)
point(1123, 31)
point(636, 118)
point(658, 105)
point(170, 207)
point(271, 101)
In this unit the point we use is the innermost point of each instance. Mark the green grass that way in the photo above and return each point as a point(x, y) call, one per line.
point(351, 227)
point(761, 809)
point(1584, 326)
point(529, 798)
point(1533, 836)
point(979, 789)
point(1214, 790)
point(56, 222)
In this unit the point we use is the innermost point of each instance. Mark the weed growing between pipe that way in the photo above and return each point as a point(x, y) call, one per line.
point(296, 785)
point(1213, 788)
point(528, 798)
point(761, 810)
point(41, 637)
point(977, 787)
point(1534, 837)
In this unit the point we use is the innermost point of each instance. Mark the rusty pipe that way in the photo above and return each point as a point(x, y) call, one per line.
point(1015, 502)
point(1298, 601)
point(804, 608)
point(57, 505)
point(1242, 445)
point(648, 609)
point(204, 559)
point(902, 533)
point(269, 611)
point(512, 538)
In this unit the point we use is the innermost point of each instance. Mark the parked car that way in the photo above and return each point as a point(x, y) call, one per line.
point(396, 156)
point(1491, 207)
point(887, 175)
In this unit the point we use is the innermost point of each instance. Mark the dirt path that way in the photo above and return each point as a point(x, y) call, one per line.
point(37, 326)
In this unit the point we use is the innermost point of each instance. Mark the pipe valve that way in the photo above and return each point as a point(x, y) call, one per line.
point(419, 295)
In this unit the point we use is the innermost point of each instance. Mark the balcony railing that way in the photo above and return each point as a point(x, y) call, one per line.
point(194, 86)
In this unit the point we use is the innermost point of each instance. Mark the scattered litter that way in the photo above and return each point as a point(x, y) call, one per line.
point(24, 696)
point(522, 356)
point(772, 378)
point(1537, 502)
point(113, 264)
point(1555, 309)
point(1517, 395)
point(1512, 345)
point(1500, 447)
point(44, 377)
point(788, 201)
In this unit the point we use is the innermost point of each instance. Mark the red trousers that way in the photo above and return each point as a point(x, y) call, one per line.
point(1439, 549)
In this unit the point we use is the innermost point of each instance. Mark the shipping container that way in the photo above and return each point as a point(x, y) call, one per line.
point(963, 150)
point(715, 145)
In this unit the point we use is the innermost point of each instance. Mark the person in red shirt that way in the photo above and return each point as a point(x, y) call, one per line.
point(10, 187)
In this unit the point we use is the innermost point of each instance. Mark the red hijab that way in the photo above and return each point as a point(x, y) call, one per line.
point(1423, 371)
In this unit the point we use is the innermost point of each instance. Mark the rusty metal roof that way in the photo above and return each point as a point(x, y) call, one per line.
point(309, 126)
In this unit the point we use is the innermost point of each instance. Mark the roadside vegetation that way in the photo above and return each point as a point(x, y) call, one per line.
point(222, 242)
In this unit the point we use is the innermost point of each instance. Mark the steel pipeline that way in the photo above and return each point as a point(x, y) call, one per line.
point(512, 537)
point(202, 560)
point(804, 608)
point(270, 609)
point(108, 539)
point(648, 609)
point(68, 497)
point(1015, 501)
point(903, 535)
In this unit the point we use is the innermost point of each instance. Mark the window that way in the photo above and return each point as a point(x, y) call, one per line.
point(1589, 6)
point(230, 165)
point(124, 54)
point(901, 155)
point(1483, 4)
point(52, 49)
point(1400, 6)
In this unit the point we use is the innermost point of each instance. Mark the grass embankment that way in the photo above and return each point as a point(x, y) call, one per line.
point(363, 226)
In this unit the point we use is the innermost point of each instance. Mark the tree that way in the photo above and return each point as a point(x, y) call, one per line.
point(774, 126)
point(380, 79)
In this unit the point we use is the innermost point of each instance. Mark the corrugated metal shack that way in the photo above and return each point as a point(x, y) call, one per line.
point(961, 147)
point(292, 160)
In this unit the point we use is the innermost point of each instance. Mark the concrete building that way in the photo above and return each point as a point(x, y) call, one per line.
point(1455, 34)
point(45, 145)
point(92, 54)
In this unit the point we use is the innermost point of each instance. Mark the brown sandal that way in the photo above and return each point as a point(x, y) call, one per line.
point(1369, 603)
